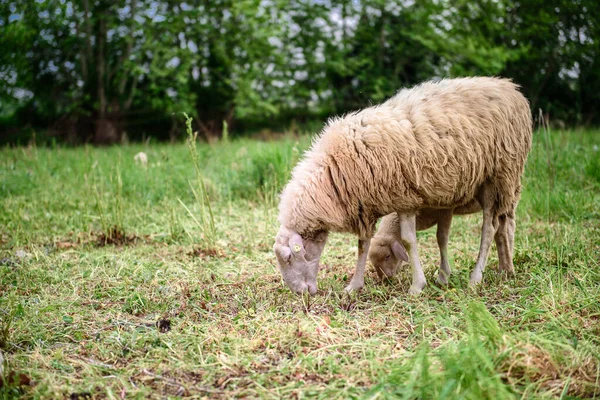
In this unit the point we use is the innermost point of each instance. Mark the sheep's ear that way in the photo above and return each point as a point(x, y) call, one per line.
point(296, 245)
point(399, 251)
point(283, 251)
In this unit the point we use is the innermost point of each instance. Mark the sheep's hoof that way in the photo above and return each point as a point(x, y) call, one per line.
point(353, 287)
point(441, 280)
point(415, 290)
point(508, 271)
point(476, 278)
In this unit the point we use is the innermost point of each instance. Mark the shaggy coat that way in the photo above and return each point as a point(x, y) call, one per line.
point(433, 146)
point(430, 146)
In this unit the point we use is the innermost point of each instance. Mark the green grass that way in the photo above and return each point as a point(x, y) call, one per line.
point(162, 313)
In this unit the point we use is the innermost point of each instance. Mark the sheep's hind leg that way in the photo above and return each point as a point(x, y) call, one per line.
point(511, 226)
point(488, 230)
point(443, 232)
point(408, 231)
point(505, 243)
point(358, 280)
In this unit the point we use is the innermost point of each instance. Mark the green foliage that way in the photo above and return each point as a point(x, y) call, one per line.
point(135, 304)
point(225, 134)
point(108, 198)
point(106, 71)
point(10, 310)
point(264, 172)
point(206, 221)
point(561, 176)
point(592, 168)
point(465, 369)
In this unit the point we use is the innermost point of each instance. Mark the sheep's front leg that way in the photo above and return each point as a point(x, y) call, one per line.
point(358, 280)
point(488, 231)
point(408, 233)
point(443, 232)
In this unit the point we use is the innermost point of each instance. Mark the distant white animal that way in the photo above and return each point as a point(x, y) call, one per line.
point(141, 158)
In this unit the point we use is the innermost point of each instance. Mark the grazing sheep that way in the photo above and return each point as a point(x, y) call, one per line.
point(437, 145)
point(387, 253)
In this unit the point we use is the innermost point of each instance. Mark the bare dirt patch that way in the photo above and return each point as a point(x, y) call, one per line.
point(208, 253)
point(116, 237)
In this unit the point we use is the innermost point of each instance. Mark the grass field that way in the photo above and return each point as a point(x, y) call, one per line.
point(120, 281)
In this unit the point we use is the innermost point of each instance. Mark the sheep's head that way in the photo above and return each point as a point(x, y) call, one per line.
point(386, 255)
point(298, 259)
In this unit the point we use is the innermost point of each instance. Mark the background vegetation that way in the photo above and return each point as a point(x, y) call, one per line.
point(99, 70)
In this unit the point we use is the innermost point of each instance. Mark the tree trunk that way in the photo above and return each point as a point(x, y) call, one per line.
point(174, 132)
point(100, 67)
point(105, 132)
point(88, 29)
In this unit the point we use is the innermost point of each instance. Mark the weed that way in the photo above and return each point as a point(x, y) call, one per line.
point(9, 312)
point(225, 136)
point(206, 223)
point(109, 206)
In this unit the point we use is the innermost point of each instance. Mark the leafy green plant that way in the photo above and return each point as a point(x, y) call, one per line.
point(593, 166)
point(464, 369)
point(109, 206)
point(225, 134)
point(135, 304)
point(266, 169)
point(205, 220)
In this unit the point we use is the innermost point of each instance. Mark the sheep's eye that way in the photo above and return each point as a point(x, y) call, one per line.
point(387, 257)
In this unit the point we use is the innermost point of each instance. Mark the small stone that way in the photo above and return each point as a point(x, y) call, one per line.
point(6, 261)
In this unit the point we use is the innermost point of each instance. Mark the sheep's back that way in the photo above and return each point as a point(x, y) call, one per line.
point(433, 145)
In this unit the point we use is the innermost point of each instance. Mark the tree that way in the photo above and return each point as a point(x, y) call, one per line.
point(559, 64)
point(93, 70)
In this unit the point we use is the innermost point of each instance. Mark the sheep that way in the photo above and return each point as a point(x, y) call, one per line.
point(438, 145)
point(386, 252)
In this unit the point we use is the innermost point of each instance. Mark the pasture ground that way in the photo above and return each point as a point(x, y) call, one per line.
point(115, 283)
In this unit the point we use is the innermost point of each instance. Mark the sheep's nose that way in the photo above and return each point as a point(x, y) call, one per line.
point(306, 287)
point(301, 288)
